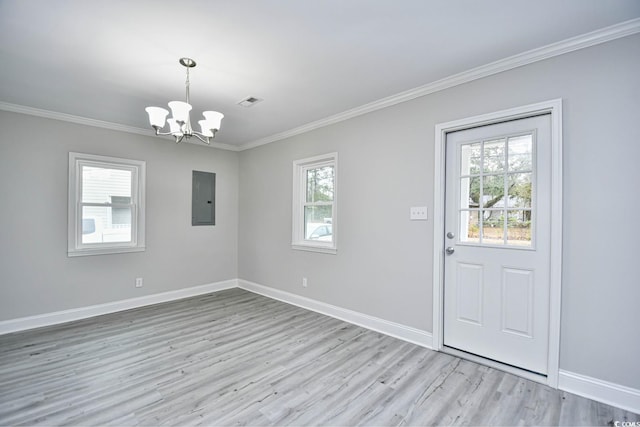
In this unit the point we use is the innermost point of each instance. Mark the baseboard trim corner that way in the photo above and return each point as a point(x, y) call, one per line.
point(396, 330)
point(55, 318)
point(613, 394)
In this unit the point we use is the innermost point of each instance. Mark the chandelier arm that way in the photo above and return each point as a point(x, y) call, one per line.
point(203, 138)
point(213, 131)
point(157, 129)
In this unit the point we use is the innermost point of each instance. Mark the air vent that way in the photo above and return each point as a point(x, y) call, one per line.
point(249, 101)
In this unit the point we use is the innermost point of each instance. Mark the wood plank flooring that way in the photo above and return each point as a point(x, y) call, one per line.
point(236, 358)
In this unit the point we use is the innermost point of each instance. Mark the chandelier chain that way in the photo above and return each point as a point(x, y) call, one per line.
point(187, 85)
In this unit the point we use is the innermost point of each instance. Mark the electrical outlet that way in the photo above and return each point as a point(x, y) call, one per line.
point(304, 282)
point(138, 282)
point(418, 213)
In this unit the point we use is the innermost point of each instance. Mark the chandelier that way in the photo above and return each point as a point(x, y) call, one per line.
point(180, 123)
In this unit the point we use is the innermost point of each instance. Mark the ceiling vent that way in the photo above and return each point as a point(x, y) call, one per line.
point(249, 101)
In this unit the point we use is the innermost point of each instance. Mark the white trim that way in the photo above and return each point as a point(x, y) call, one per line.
point(592, 388)
point(48, 319)
point(603, 35)
point(583, 41)
point(74, 208)
point(299, 188)
point(396, 330)
point(48, 114)
point(554, 107)
point(312, 248)
point(613, 394)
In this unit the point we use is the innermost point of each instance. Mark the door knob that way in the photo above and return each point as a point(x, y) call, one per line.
point(449, 250)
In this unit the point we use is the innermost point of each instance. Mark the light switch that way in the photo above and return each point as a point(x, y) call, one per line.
point(418, 213)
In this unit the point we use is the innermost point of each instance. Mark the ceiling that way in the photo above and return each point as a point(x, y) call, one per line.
point(308, 60)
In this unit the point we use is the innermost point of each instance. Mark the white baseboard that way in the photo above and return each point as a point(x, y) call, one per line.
point(592, 388)
point(396, 330)
point(48, 319)
point(603, 391)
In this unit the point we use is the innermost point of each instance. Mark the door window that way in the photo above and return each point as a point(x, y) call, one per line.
point(497, 191)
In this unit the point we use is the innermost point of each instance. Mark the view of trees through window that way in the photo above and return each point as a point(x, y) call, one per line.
point(318, 209)
point(496, 191)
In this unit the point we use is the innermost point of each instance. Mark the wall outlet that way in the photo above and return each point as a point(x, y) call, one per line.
point(304, 282)
point(138, 282)
point(418, 213)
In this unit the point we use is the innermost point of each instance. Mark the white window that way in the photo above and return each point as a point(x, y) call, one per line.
point(106, 205)
point(314, 203)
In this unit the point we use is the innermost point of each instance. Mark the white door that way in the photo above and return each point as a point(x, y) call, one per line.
point(497, 242)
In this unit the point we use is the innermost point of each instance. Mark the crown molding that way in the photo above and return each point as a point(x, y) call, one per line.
point(48, 114)
point(583, 41)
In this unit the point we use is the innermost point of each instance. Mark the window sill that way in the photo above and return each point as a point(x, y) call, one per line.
point(104, 251)
point(312, 248)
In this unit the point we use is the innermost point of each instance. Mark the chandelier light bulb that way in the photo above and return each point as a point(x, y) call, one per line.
point(174, 128)
point(214, 118)
point(157, 116)
point(180, 111)
point(206, 128)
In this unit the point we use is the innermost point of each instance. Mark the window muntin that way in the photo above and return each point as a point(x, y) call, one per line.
point(314, 204)
point(106, 205)
point(496, 191)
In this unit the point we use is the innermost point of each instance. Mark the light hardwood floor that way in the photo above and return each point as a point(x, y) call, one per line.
point(236, 358)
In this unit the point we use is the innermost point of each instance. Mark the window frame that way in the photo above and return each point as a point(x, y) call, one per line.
point(300, 168)
point(75, 247)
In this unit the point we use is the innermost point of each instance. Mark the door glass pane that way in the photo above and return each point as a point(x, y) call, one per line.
point(317, 223)
point(470, 159)
point(521, 153)
point(469, 227)
point(519, 190)
point(469, 192)
point(493, 191)
point(493, 227)
point(320, 184)
point(101, 224)
point(99, 185)
point(494, 156)
point(519, 228)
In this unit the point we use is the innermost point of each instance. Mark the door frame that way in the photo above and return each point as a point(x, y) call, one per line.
point(553, 107)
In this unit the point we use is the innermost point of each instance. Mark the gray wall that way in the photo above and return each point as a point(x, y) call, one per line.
point(384, 263)
point(36, 276)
